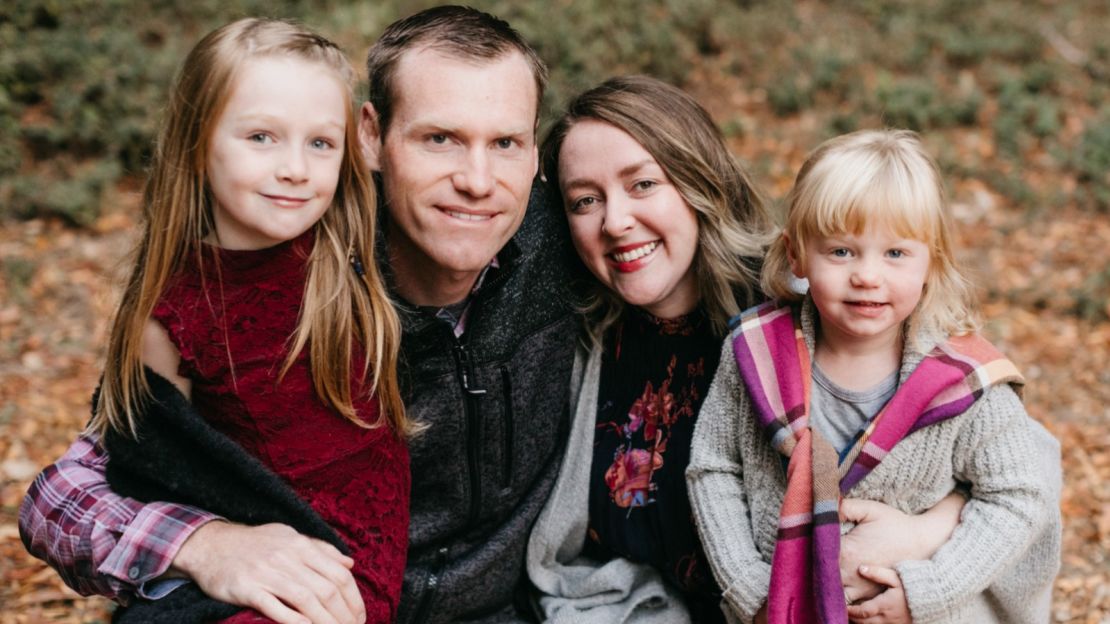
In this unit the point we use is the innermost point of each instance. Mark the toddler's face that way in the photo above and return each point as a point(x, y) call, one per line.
point(864, 285)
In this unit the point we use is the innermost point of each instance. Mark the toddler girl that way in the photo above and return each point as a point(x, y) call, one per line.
point(871, 385)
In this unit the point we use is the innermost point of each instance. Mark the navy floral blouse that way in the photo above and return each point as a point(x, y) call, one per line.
point(654, 376)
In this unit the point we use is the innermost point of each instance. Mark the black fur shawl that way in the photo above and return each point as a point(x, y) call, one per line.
point(179, 458)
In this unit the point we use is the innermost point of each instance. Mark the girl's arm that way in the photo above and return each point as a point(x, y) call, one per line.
point(162, 356)
point(715, 478)
point(1007, 526)
point(272, 568)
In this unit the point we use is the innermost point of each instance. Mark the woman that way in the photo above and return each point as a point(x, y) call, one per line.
point(673, 231)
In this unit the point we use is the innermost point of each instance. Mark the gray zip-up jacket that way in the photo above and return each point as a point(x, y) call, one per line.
point(496, 410)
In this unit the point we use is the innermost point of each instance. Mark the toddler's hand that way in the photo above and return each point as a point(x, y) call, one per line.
point(889, 607)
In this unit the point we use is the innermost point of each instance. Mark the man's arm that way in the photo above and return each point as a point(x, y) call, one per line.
point(100, 542)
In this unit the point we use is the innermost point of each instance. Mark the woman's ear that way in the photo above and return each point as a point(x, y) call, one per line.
point(796, 266)
point(370, 136)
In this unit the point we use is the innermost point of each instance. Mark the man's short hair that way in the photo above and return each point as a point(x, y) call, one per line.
point(453, 30)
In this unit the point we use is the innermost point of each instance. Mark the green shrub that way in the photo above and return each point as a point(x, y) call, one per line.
point(1091, 160)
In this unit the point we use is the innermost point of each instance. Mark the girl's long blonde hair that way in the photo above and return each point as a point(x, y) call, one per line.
point(733, 222)
point(341, 311)
point(885, 178)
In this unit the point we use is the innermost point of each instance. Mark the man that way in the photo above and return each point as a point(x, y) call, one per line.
point(486, 355)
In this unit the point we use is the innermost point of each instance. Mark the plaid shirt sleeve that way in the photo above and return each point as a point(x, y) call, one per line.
point(100, 542)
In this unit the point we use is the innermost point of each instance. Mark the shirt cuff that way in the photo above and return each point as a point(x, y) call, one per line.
point(149, 543)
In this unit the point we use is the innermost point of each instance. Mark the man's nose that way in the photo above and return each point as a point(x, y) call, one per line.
point(475, 174)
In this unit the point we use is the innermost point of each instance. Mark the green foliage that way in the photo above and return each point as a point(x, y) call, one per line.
point(81, 85)
point(917, 103)
point(82, 82)
point(1092, 161)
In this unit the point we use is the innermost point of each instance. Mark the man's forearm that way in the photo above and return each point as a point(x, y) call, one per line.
point(100, 542)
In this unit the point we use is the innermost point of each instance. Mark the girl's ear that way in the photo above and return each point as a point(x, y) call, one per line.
point(795, 264)
point(370, 136)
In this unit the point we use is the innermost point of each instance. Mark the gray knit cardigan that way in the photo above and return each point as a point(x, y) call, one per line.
point(998, 565)
point(575, 589)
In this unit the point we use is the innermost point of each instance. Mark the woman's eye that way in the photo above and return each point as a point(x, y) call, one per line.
point(321, 144)
point(259, 137)
point(583, 203)
point(644, 185)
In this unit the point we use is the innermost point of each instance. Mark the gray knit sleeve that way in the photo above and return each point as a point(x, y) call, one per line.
point(1014, 501)
point(715, 478)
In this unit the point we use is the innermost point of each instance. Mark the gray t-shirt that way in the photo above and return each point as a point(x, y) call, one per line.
point(839, 414)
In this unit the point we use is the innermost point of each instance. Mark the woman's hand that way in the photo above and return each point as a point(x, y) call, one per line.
point(884, 536)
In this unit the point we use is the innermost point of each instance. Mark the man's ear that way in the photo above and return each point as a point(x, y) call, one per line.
point(370, 136)
point(792, 254)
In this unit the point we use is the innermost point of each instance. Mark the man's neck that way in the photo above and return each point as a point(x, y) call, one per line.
point(422, 283)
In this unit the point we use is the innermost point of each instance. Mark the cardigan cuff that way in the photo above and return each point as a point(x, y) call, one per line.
point(748, 592)
point(927, 594)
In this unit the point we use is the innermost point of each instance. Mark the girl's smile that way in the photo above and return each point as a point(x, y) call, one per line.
point(864, 285)
point(274, 155)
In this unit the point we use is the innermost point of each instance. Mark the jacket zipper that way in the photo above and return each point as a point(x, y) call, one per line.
point(473, 428)
point(507, 428)
point(431, 585)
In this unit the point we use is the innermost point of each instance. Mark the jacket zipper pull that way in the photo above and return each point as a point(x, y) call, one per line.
point(467, 369)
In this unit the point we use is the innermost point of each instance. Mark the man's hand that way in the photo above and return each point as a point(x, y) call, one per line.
point(884, 536)
point(287, 577)
point(889, 607)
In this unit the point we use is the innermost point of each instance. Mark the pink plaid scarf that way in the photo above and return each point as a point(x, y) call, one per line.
point(774, 364)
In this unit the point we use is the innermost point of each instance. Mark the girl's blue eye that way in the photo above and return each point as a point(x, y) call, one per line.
point(259, 137)
point(840, 253)
point(321, 143)
point(896, 253)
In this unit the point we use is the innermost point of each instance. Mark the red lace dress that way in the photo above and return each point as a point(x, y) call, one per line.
point(233, 329)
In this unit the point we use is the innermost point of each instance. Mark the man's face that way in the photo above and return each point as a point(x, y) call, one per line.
point(457, 160)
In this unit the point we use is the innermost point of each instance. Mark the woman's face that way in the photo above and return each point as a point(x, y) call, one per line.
point(629, 224)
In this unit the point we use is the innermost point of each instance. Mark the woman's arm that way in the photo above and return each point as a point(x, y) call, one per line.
point(884, 536)
point(1004, 529)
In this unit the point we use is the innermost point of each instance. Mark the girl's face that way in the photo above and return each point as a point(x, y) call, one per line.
point(864, 285)
point(629, 224)
point(275, 152)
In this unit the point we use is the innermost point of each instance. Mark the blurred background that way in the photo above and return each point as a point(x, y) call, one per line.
point(1013, 98)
